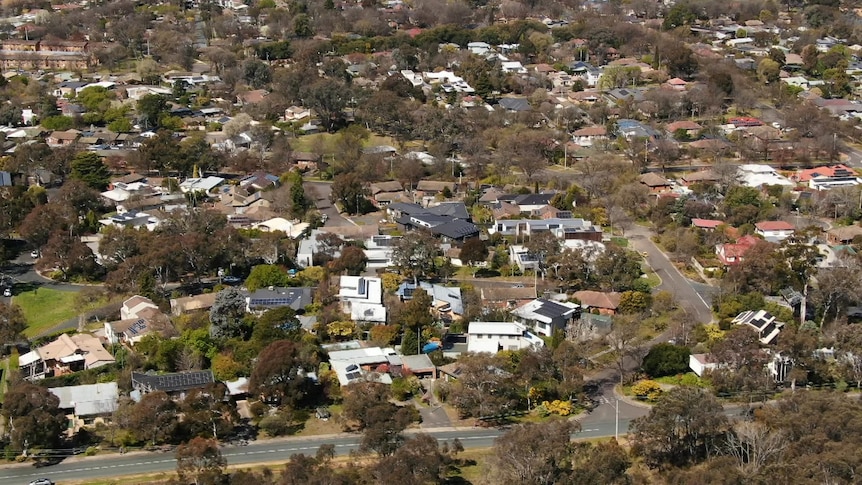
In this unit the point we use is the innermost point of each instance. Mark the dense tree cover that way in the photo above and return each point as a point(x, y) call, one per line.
point(34, 418)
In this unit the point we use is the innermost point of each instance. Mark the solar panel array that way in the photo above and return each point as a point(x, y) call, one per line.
point(269, 302)
point(138, 327)
point(176, 381)
point(550, 309)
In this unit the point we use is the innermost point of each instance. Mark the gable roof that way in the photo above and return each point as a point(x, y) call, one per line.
point(515, 104)
point(88, 399)
point(598, 299)
point(456, 229)
point(651, 179)
point(706, 223)
point(774, 226)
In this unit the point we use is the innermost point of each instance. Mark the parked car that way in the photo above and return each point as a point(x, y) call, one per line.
point(231, 280)
point(41, 481)
point(35, 254)
point(7, 292)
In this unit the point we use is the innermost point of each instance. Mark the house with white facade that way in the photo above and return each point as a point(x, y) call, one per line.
point(378, 250)
point(546, 316)
point(493, 337)
point(757, 175)
point(774, 231)
point(362, 298)
point(700, 363)
point(762, 322)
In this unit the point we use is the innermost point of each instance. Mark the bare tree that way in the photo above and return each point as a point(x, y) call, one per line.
point(754, 445)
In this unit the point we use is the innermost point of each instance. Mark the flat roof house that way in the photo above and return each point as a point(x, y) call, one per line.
point(493, 337)
point(546, 316)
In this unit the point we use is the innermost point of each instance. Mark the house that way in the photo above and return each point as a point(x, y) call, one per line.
point(527, 203)
point(546, 316)
point(189, 304)
point(133, 219)
point(708, 225)
point(259, 181)
point(515, 105)
point(251, 97)
point(139, 317)
point(590, 135)
point(62, 138)
point(523, 259)
point(655, 182)
point(132, 307)
point(263, 299)
point(362, 298)
point(419, 365)
point(828, 177)
point(88, 404)
point(433, 187)
point(507, 298)
point(774, 231)
point(562, 228)
point(700, 177)
point(384, 193)
point(700, 363)
point(492, 337)
point(65, 355)
point(175, 384)
point(446, 303)
point(200, 184)
point(676, 84)
point(378, 251)
point(762, 322)
point(291, 229)
point(843, 235)
point(731, 254)
point(606, 303)
point(364, 364)
point(296, 113)
point(448, 220)
point(757, 175)
point(690, 128)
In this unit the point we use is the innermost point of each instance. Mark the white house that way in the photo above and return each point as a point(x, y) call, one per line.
point(774, 231)
point(546, 316)
point(378, 251)
point(525, 260)
point(496, 336)
point(700, 363)
point(513, 67)
point(762, 322)
point(362, 298)
point(756, 175)
point(202, 184)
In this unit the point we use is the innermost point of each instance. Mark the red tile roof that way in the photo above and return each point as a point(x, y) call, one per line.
point(774, 226)
point(706, 223)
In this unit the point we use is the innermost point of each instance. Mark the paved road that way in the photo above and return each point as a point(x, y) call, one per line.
point(672, 280)
point(84, 468)
point(320, 192)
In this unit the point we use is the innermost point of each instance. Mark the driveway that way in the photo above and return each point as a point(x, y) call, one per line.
point(683, 290)
point(319, 192)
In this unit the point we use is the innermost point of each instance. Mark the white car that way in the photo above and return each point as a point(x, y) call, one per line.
point(7, 292)
point(35, 254)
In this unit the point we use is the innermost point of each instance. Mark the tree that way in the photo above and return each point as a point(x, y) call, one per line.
point(420, 460)
point(352, 261)
point(624, 341)
point(256, 73)
point(12, 325)
point(634, 302)
point(414, 254)
point(150, 109)
point(89, 168)
point(685, 426)
point(534, 454)
point(328, 98)
point(544, 245)
point(155, 419)
point(281, 373)
point(349, 191)
point(200, 460)
point(264, 275)
point(483, 387)
point(227, 314)
point(768, 71)
point(666, 359)
point(474, 250)
point(33, 416)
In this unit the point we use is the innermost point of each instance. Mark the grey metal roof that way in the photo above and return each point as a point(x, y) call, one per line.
point(177, 381)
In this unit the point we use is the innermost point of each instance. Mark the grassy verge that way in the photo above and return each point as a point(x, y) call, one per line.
point(44, 308)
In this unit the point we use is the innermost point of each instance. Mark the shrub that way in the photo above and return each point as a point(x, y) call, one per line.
point(666, 359)
point(647, 390)
point(558, 407)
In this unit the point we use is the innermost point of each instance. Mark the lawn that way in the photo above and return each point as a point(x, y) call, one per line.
point(44, 308)
point(326, 141)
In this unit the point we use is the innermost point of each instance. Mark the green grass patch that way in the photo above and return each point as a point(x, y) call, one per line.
point(620, 241)
point(652, 278)
point(687, 379)
point(44, 308)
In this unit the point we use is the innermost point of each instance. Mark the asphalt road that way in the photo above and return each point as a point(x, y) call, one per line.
point(320, 192)
point(687, 295)
point(100, 467)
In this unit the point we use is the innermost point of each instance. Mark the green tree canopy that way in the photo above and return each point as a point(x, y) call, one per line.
point(89, 168)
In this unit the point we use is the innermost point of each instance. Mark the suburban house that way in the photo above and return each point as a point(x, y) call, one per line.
point(757, 175)
point(446, 301)
point(590, 135)
point(688, 127)
point(700, 363)
point(175, 384)
point(378, 251)
point(562, 228)
point(843, 235)
point(433, 187)
point(449, 220)
point(362, 298)
point(605, 303)
point(655, 182)
point(139, 317)
point(731, 254)
point(65, 355)
point(762, 322)
point(263, 299)
point(774, 231)
point(528, 203)
point(829, 177)
point(546, 316)
point(522, 258)
point(88, 404)
point(507, 298)
point(364, 364)
point(189, 304)
point(493, 337)
point(384, 193)
point(700, 177)
point(708, 225)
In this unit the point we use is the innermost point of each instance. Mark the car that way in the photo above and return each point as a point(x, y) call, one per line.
point(41, 481)
point(35, 254)
point(231, 280)
point(518, 285)
point(7, 292)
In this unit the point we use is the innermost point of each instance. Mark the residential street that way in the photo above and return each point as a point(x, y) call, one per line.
point(693, 299)
point(320, 192)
